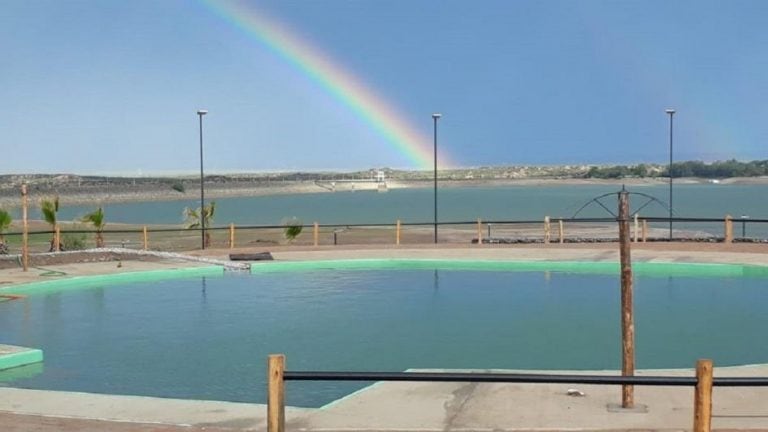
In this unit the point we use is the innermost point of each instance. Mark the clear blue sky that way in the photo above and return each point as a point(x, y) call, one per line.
point(113, 86)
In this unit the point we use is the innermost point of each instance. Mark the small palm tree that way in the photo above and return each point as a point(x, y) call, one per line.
point(50, 209)
point(193, 220)
point(5, 222)
point(96, 218)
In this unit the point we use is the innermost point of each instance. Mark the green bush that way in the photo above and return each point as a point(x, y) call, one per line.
point(178, 186)
point(72, 242)
point(293, 228)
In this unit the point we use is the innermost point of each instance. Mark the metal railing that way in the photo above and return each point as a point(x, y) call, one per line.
point(562, 230)
point(703, 383)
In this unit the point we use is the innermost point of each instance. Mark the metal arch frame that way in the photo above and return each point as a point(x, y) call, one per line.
point(651, 199)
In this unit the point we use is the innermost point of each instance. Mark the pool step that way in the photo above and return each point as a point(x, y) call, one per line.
point(12, 356)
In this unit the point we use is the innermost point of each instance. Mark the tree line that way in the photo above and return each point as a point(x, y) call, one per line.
point(721, 169)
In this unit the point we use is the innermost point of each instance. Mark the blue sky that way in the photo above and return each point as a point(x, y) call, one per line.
point(113, 86)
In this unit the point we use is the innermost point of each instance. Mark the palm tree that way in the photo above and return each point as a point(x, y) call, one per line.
point(96, 218)
point(5, 222)
point(50, 208)
point(193, 221)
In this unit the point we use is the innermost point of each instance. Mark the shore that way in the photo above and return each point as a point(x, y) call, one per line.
point(106, 193)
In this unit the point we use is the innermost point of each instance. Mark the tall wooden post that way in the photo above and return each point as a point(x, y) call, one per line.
point(627, 319)
point(561, 231)
point(231, 236)
point(645, 230)
point(57, 238)
point(397, 233)
point(547, 230)
point(479, 231)
point(146, 238)
point(702, 398)
point(316, 233)
point(728, 229)
point(24, 228)
point(276, 393)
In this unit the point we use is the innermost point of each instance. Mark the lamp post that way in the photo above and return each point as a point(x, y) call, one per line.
point(671, 113)
point(435, 116)
point(200, 114)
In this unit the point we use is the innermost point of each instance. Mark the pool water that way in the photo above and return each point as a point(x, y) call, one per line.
point(208, 337)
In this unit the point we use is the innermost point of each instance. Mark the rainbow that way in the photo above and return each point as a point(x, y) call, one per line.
point(320, 68)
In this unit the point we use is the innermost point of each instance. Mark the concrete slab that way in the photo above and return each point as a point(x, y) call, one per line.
point(139, 409)
point(12, 356)
point(501, 407)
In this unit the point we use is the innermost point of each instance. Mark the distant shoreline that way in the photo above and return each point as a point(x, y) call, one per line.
point(99, 195)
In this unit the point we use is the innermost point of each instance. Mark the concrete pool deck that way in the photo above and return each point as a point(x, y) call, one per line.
point(407, 406)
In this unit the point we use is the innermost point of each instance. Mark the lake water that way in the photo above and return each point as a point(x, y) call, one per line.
point(454, 204)
point(208, 337)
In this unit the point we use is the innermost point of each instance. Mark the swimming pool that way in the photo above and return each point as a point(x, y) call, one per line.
point(207, 335)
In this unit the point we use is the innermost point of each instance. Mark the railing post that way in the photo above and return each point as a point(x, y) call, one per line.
point(25, 228)
point(702, 399)
point(627, 318)
point(231, 236)
point(728, 237)
point(275, 393)
point(547, 230)
point(146, 238)
point(316, 234)
point(479, 231)
point(637, 229)
point(561, 231)
point(645, 230)
point(397, 233)
point(57, 238)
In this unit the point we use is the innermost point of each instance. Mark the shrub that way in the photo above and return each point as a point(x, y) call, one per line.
point(178, 186)
point(293, 227)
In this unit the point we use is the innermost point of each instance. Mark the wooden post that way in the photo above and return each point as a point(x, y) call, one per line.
point(24, 228)
point(397, 233)
point(316, 234)
point(57, 238)
point(645, 230)
point(627, 319)
point(637, 229)
point(547, 230)
point(231, 236)
point(146, 238)
point(276, 393)
point(479, 231)
point(702, 399)
point(561, 231)
point(728, 229)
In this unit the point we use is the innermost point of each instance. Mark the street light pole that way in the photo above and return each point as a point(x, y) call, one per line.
point(435, 116)
point(671, 113)
point(201, 113)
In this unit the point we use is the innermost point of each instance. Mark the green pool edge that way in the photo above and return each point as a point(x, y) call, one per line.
point(23, 357)
point(92, 281)
point(641, 268)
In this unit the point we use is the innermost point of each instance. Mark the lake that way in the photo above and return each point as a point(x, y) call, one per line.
point(454, 204)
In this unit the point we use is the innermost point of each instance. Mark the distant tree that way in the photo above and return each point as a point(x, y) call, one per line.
point(50, 210)
point(5, 222)
point(193, 220)
point(96, 218)
point(293, 228)
point(178, 186)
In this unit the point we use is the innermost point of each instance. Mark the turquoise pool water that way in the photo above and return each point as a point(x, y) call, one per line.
point(207, 336)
